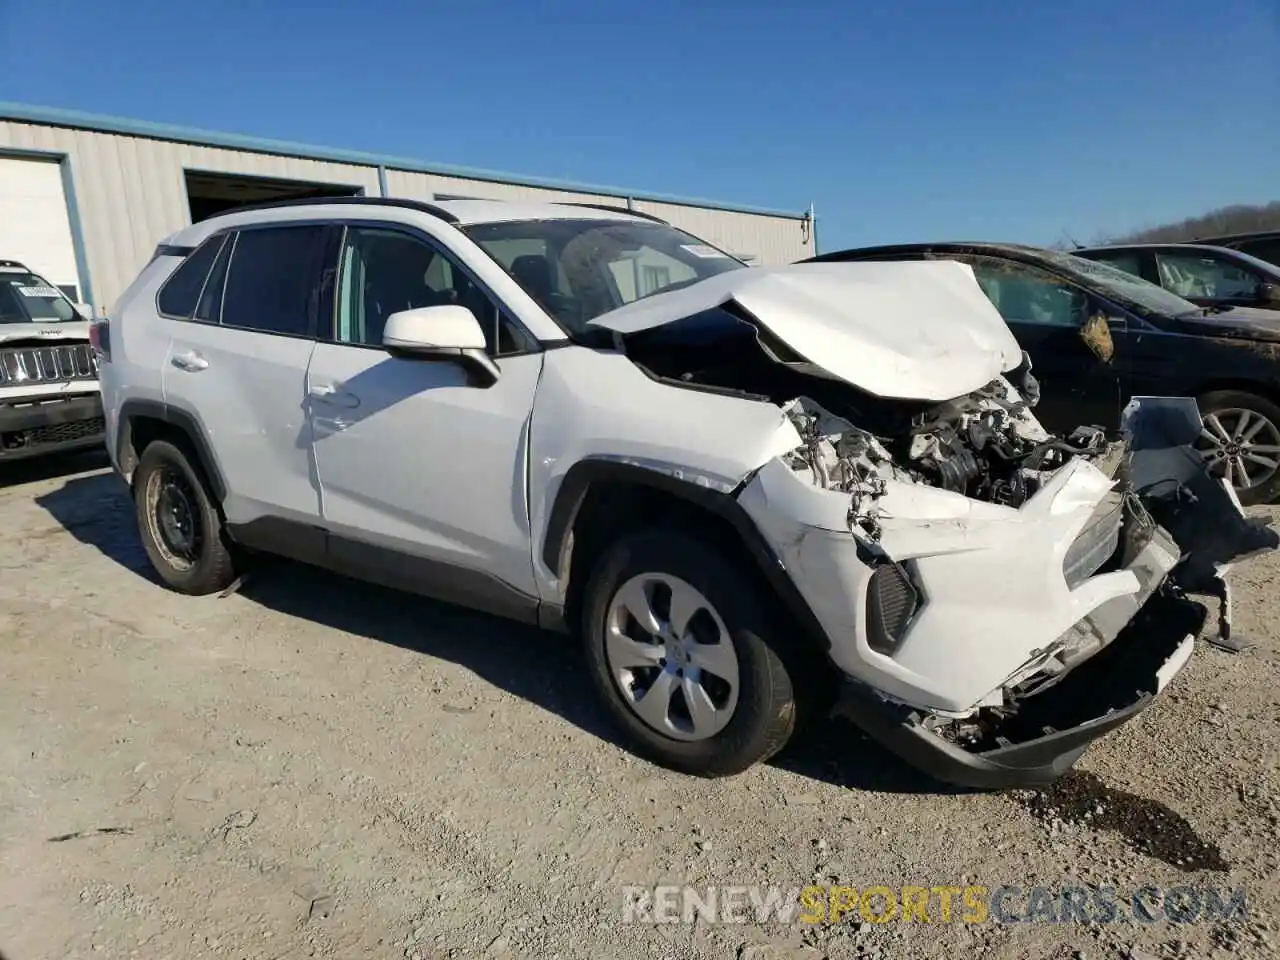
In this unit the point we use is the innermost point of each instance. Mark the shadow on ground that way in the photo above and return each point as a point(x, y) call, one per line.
point(544, 668)
point(36, 469)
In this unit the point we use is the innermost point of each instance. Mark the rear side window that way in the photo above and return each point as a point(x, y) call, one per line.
point(272, 281)
point(180, 292)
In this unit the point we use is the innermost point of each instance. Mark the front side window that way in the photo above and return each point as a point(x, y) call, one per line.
point(272, 280)
point(385, 271)
point(577, 270)
point(29, 298)
point(1193, 275)
point(1024, 294)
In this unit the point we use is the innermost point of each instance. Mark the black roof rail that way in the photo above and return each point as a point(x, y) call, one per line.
point(418, 205)
point(604, 206)
point(14, 265)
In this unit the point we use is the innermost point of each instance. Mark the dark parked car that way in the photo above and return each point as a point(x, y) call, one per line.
point(1098, 336)
point(1264, 245)
point(1207, 276)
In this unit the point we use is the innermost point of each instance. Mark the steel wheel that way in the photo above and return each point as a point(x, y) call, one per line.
point(670, 655)
point(173, 517)
point(1241, 445)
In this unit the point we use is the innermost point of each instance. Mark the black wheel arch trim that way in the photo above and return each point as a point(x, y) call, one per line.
point(586, 474)
point(188, 423)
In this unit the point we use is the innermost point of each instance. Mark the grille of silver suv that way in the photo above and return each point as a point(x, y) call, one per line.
point(56, 363)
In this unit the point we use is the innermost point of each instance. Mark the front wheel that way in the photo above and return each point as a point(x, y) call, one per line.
point(684, 657)
point(1240, 441)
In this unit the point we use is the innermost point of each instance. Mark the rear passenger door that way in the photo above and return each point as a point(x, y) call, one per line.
point(238, 363)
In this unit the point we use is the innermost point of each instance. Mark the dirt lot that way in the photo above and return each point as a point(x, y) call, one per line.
point(316, 768)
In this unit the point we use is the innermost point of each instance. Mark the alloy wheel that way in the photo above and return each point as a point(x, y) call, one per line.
point(671, 657)
point(1241, 445)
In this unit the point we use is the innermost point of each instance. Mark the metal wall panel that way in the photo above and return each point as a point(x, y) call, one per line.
point(770, 241)
point(130, 190)
point(129, 193)
point(426, 186)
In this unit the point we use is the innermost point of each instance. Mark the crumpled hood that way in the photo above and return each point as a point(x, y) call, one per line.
point(909, 330)
point(50, 330)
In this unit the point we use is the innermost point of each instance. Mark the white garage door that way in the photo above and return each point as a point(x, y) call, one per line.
point(35, 228)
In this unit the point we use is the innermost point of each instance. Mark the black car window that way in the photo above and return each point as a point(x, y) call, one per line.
point(1127, 261)
point(1268, 250)
point(385, 271)
point(1025, 294)
point(273, 280)
point(178, 296)
point(1204, 276)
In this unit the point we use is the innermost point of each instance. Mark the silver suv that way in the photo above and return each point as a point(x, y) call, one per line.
point(49, 400)
point(753, 492)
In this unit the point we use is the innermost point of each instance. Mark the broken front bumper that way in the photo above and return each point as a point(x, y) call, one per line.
point(1054, 728)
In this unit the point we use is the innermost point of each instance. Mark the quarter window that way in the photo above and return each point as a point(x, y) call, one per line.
point(272, 283)
point(1196, 276)
point(209, 309)
point(1024, 294)
point(386, 271)
point(179, 294)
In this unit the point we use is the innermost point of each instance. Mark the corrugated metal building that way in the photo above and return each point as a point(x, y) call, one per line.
point(84, 199)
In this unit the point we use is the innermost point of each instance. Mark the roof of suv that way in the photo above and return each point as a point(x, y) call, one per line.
point(457, 212)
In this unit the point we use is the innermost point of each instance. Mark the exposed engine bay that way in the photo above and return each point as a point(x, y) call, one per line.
point(986, 446)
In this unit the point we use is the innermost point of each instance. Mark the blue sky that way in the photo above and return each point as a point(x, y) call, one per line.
point(917, 120)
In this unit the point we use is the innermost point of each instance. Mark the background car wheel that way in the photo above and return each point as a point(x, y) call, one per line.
point(179, 525)
point(684, 656)
point(1241, 442)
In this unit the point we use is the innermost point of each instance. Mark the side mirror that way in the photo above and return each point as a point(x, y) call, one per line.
point(449, 333)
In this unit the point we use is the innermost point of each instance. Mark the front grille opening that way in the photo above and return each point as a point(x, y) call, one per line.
point(55, 363)
point(53, 434)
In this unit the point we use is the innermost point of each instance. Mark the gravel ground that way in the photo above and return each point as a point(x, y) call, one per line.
point(318, 768)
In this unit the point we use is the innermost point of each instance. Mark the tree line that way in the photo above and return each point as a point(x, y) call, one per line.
point(1238, 218)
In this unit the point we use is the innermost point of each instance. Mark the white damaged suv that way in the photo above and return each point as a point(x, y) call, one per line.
point(755, 493)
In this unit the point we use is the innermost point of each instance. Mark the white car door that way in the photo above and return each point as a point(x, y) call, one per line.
point(422, 474)
point(238, 365)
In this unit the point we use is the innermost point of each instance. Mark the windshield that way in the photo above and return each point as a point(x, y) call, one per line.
point(578, 269)
point(1126, 286)
point(26, 298)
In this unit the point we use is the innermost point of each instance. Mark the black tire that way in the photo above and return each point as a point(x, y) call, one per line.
point(1222, 400)
point(210, 566)
point(765, 715)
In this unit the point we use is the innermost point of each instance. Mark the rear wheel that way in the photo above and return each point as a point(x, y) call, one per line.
point(684, 657)
point(178, 522)
point(1240, 441)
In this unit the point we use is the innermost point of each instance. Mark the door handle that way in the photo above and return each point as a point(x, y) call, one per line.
point(190, 361)
point(330, 393)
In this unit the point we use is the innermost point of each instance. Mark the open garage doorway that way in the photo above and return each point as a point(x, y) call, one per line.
point(209, 194)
